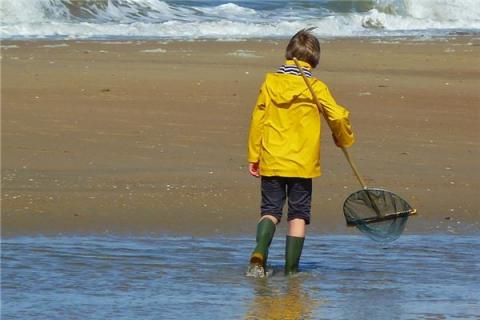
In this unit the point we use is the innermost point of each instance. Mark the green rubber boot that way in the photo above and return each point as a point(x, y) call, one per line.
point(293, 251)
point(265, 230)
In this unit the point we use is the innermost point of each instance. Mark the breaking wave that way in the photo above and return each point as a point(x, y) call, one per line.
point(233, 20)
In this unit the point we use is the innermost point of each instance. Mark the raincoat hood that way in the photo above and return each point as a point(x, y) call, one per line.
point(283, 93)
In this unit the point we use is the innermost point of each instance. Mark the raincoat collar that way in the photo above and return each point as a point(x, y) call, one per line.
point(290, 68)
point(303, 64)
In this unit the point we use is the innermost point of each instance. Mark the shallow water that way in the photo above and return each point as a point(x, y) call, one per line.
point(343, 277)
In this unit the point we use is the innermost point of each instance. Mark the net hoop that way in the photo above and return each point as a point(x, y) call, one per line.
point(379, 213)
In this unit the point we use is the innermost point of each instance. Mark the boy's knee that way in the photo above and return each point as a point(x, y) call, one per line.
point(272, 217)
point(300, 215)
point(296, 227)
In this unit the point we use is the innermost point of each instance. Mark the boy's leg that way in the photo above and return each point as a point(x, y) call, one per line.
point(294, 245)
point(273, 199)
point(265, 231)
point(299, 205)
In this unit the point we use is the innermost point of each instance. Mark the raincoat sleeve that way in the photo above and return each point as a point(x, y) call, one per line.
point(256, 128)
point(338, 119)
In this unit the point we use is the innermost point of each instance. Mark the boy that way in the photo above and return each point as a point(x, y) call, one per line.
point(284, 147)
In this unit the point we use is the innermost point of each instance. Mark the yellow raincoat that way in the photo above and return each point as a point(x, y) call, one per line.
point(284, 135)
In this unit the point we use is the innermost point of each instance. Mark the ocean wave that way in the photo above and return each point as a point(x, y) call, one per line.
point(234, 19)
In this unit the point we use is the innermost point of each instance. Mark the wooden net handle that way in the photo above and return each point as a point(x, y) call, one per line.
point(320, 108)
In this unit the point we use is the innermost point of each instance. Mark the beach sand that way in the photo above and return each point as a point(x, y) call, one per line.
point(150, 136)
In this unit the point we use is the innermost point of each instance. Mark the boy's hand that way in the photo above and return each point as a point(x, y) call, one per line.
point(336, 141)
point(254, 169)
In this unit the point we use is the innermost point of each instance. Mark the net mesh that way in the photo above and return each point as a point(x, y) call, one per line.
point(378, 213)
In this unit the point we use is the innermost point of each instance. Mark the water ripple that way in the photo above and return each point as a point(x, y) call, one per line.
point(343, 277)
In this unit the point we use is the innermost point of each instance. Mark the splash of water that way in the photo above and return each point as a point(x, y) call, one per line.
point(258, 272)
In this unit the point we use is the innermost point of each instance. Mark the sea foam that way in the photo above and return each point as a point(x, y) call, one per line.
point(233, 20)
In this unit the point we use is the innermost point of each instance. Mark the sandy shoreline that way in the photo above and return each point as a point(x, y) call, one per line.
point(149, 136)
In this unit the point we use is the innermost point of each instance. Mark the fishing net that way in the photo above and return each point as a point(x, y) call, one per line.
point(378, 213)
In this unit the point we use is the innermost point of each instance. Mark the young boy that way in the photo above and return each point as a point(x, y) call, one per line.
point(284, 146)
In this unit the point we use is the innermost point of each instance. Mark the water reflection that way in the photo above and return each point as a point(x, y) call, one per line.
point(281, 298)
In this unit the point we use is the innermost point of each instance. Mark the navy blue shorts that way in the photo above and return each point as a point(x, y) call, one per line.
point(298, 191)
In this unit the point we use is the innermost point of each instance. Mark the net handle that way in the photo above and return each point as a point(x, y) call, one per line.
point(391, 216)
point(320, 108)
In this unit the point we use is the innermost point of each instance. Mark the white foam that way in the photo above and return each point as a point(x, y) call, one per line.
point(60, 45)
point(30, 11)
point(155, 18)
point(456, 11)
point(12, 46)
point(228, 10)
point(416, 19)
point(158, 50)
point(117, 42)
point(244, 54)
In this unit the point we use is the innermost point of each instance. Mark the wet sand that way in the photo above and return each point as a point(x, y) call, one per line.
point(150, 137)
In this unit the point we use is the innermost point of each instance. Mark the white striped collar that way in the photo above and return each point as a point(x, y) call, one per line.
point(289, 69)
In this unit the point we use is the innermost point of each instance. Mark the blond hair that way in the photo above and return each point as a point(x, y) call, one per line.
point(304, 46)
